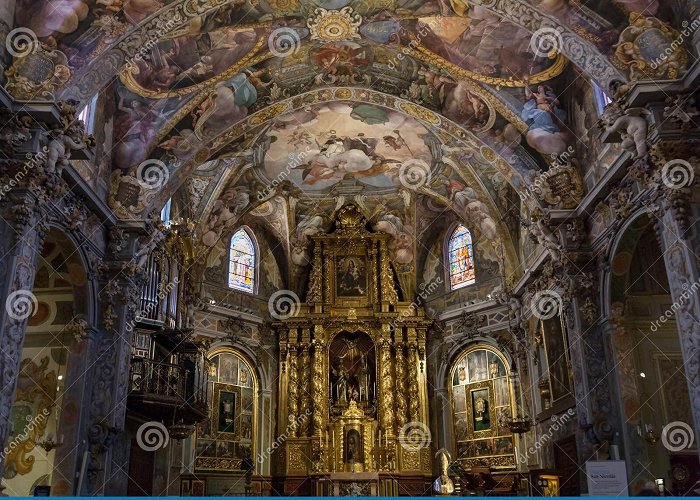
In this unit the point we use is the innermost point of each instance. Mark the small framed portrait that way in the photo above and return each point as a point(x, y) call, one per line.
point(351, 276)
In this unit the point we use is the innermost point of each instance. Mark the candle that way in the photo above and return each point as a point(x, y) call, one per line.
point(386, 440)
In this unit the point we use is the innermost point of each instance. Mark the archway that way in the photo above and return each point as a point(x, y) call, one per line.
point(652, 386)
point(43, 447)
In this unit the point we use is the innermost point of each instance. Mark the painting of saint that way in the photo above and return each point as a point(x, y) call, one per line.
point(477, 366)
point(554, 340)
point(227, 411)
point(351, 275)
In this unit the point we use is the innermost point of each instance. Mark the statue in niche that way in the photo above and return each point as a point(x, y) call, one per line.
point(352, 370)
point(341, 384)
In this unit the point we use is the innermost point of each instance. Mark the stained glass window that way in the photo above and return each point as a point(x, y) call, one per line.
point(241, 267)
point(461, 258)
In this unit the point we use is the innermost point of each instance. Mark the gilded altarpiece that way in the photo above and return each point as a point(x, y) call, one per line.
point(352, 362)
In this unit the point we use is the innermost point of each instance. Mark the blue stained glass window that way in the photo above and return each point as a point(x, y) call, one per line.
point(461, 258)
point(241, 267)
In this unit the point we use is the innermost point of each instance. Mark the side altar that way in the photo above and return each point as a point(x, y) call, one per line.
point(353, 385)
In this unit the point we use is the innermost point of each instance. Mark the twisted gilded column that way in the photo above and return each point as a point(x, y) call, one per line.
point(319, 397)
point(292, 384)
point(413, 397)
point(387, 406)
point(306, 387)
point(400, 385)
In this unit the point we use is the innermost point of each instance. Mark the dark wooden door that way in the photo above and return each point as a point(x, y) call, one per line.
point(566, 465)
point(140, 471)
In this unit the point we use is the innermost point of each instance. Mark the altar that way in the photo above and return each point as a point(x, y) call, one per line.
point(352, 372)
point(344, 484)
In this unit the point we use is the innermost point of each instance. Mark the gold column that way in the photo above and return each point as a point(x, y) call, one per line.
point(293, 401)
point(319, 396)
point(305, 385)
point(400, 385)
point(387, 413)
point(413, 397)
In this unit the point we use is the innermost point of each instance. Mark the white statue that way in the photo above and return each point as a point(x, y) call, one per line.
point(632, 126)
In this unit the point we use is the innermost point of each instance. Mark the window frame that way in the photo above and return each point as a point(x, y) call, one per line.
point(446, 252)
point(256, 261)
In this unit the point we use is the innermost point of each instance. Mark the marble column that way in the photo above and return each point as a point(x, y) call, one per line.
point(683, 278)
point(23, 229)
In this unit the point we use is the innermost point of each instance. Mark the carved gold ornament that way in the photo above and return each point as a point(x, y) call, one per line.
point(334, 25)
point(36, 73)
point(650, 48)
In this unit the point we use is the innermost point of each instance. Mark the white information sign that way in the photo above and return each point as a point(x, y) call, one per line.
point(607, 478)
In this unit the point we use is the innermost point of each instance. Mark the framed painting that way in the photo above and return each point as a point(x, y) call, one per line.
point(198, 488)
point(481, 410)
point(351, 276)
point(226, 412)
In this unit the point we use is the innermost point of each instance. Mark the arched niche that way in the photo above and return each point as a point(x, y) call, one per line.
point(482, 400)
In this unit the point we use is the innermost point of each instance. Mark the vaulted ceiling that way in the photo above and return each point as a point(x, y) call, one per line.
point(408, 108)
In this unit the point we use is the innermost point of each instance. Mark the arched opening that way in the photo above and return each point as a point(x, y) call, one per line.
point(227, 439)
point(482, 400)
point(43, 443)
point(652, 385)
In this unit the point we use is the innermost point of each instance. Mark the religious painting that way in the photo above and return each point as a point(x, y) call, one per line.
point(226, 411)
point(461, 428)
point(460, 401)
point(482, 447)
point(351, 276)
point(228, 369)
point(503, 446)
point(480, 409)
point(353, 447)
point(231, 420)
point(556, 351)
point(477, 366)
point(246, 427)
point(352, 370)
point(500, 388)
point(359, 144)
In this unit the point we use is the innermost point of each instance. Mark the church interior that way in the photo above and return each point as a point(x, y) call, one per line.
point(349, 248)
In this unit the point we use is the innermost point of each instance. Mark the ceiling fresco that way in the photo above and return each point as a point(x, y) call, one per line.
point(286, 106)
